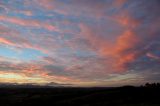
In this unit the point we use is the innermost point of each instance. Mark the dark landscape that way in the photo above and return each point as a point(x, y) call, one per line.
point(80, 52)
point(148, 95)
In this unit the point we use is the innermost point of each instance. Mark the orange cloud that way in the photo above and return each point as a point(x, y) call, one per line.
point(119, 3)
point(125, 19)
point(12, 37)
point(5, 41)
point(126, 41)
point(29, 23)
point(121, 51)
point(21, 43)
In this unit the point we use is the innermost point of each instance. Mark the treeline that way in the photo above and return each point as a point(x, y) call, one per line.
point(152, 85)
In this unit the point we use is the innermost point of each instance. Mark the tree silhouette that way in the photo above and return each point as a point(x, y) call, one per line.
point(152, 85)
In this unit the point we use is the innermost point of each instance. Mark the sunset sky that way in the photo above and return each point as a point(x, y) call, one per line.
point(80, 42)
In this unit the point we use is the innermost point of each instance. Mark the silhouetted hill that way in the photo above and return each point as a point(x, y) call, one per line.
point(32, 85)
point(121, 96)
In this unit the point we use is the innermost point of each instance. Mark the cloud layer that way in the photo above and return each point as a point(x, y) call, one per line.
point(85, 43)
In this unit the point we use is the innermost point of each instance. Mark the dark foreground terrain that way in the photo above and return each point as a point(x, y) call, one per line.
point(123, 96)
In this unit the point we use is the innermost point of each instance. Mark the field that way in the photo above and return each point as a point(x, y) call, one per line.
point(122, 96)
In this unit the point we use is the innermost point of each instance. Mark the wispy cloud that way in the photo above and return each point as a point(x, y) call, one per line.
point(80, 42)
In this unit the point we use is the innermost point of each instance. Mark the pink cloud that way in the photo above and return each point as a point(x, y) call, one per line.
point(117, 50)
point(12, 37)
point(153, 56)
point(29, 23)
point(5, 41)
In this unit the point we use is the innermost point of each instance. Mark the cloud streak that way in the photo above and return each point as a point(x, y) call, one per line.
point(80, 42)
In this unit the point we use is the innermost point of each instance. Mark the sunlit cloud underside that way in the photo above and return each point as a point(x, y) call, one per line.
point(80, 42)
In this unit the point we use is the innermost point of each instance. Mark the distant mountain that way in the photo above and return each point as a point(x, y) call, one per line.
point(57, 84)
point(33, 85)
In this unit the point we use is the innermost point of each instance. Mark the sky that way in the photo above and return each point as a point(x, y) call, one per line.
point(80, 42)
